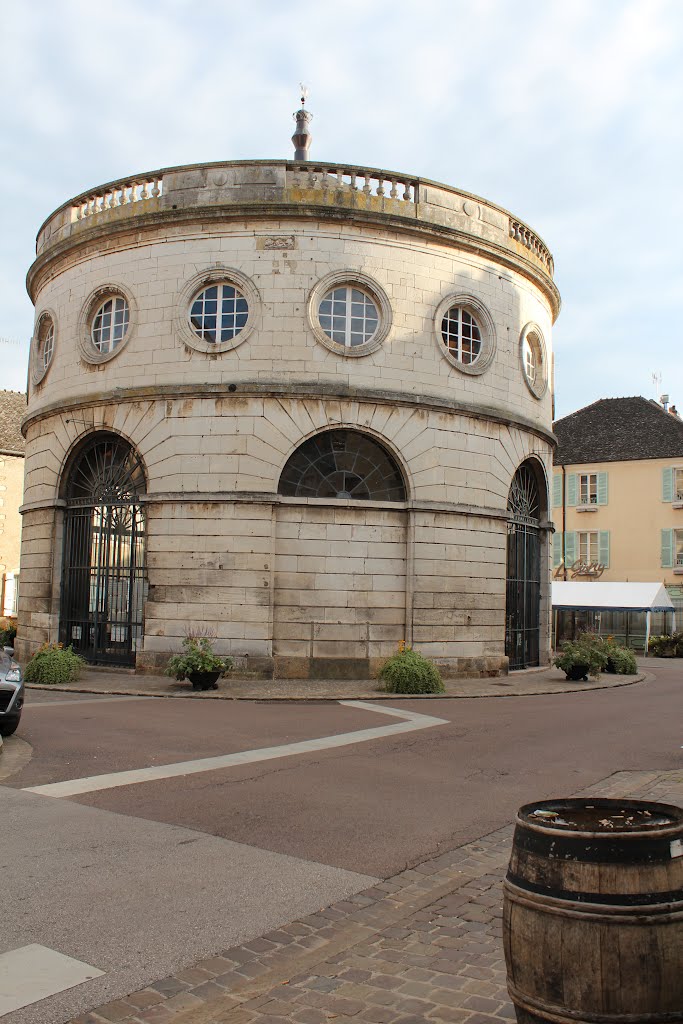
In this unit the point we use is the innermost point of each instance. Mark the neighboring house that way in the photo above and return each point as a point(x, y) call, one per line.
point(618, 495)
point(12, 409)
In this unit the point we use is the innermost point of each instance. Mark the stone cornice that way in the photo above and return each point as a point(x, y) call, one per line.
point(296, 389)
point(145, 224)
point(272, 498)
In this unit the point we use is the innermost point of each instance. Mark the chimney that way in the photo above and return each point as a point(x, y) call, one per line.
point(664, 399)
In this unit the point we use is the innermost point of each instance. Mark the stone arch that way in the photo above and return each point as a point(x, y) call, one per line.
point(527, 506)
point(343, 462)
point(103, 573)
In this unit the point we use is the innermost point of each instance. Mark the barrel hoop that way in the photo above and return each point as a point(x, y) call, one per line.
point(562, 1015)
point(625, 899)
point(610, 850)
point(660, 913)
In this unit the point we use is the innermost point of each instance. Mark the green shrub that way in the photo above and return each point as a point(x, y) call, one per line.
point(53, 663)
point(197, 656)
point(588, 650)
point(666, 646)
point(408, 671)
point(621, 660)
point(7, 635)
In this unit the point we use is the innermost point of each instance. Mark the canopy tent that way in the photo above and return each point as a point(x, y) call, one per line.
point(571, 595)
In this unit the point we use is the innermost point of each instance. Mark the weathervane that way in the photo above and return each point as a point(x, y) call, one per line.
point(302, 137)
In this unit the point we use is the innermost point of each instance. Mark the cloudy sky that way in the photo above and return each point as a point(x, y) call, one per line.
point(567, 112)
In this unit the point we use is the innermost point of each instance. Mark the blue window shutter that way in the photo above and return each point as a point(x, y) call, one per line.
point(667, 549)
point(571, 489)
point(557, 549)
point(603, 547)
point(602, 489)
point(570, 546)
point(667, 484)
point(557, 490)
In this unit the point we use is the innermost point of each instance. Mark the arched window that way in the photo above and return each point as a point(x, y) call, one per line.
point(523, 584)
point(103, 575)
point(342, 464)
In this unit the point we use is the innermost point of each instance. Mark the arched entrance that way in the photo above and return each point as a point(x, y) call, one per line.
point(103, 574)
point(523, 583)
point(340, 557)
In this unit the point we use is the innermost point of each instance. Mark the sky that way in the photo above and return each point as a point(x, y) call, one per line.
point(566, 112)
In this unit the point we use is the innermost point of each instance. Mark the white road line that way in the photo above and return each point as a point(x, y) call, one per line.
point(86, 700)
point(411, 721)
point(35, 972)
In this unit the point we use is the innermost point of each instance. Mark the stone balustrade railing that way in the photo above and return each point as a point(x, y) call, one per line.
point(344, 178)
point(121, 193)
point(262, 184)
point(521, 233)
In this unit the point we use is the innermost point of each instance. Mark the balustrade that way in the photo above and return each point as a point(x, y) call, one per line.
point(342, 178)
point(521, 233)
point(122, 193)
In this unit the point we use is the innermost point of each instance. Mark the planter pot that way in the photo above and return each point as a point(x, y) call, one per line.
point(204, 680)
point(611, 667)
point(577, 672)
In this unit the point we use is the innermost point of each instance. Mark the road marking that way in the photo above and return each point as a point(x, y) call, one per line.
point(85, 700)
point(35, 972)
point(410, 722)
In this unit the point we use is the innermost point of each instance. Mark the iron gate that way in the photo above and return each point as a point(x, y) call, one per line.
point(523, 583)
point(104, 580)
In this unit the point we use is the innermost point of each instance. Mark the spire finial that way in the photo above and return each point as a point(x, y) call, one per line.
point(302, 137)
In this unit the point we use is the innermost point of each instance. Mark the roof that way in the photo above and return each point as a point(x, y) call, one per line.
point(12, 411)
point(643, 597)
point(618, 430)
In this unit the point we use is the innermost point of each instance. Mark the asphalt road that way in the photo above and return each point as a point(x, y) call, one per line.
point(140, 879)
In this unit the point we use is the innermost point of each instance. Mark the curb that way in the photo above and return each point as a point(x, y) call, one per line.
point(321, 699)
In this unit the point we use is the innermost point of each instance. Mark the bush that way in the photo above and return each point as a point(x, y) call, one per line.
point(53, 663)
point(597, 654)
point(587, 651)
point(408, 671)
point(197, 656)
point(669, 645)
point(7, 635)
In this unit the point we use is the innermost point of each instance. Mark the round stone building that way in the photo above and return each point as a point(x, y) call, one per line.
point(305, 406)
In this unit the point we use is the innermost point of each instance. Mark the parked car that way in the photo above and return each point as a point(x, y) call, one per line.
point(11, 695)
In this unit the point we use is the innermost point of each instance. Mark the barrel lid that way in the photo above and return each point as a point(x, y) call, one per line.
point(600, 816)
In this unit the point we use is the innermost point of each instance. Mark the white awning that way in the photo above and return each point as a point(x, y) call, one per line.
point(642, 597)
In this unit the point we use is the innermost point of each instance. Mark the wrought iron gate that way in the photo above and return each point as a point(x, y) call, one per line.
point(523, 585)
point(103, 580)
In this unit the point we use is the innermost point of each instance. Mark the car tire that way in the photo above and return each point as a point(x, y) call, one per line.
point(9, 728)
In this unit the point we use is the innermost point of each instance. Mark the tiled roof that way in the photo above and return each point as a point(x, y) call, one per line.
point(618, 430)
point(12, 410)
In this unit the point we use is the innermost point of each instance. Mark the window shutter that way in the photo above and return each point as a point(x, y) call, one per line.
point(557, 490)
point(571, 489)
point(667, 485)
point(603, 547)
point(570, 555)
point(602, 489)
point(667, 549)
point(557, 549)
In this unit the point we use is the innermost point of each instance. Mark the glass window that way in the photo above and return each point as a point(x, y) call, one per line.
point(47, 346)
point(588, 546)
point(531, 359)
point(348, 316)
point(678, 548)
point(218, 313)
point(461, 335)
point(678, 484)
point(110, 324)
point(588, 488)
point(342, 464)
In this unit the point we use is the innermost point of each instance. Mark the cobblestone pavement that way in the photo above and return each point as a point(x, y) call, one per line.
point(534, 681)
point(422, 947)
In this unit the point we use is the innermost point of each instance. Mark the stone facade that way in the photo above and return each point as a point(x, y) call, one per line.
point(12, 409)
point(295, 585)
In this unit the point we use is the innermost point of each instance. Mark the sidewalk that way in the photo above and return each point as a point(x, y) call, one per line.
point(423, 947)
point(532, 681)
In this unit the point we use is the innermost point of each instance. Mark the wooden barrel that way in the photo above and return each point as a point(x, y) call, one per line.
point(593, 912)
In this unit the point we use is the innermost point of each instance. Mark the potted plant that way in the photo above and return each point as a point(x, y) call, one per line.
point(198, 663)
point(583, 657)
